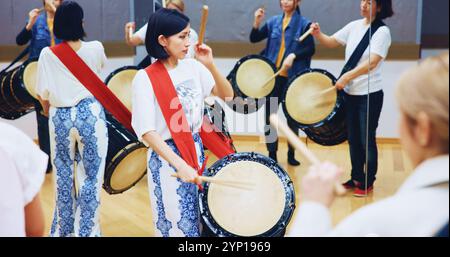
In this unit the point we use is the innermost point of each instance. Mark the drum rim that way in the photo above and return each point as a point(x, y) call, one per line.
point(235, 69)
point(323, 142)
point(117, 71)
point(339, 100)
point(113, 165)
point(25, 64)
point(237, 92)
point(21, 78)
point(285, 180)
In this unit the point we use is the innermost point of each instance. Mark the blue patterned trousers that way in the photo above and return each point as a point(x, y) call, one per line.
point(174, 203)
point(78, 135)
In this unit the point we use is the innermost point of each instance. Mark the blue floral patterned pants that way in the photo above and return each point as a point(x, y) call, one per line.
point(78, 135)
point(174, 203)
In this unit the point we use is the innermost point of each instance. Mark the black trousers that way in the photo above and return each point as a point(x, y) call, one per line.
point(356, 120)
point(43, 133)
point(272, 105)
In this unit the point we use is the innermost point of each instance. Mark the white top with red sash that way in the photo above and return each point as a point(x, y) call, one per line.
point(78, 68)
point(171, 103)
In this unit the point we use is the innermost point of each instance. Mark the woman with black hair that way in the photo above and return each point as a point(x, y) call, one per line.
point(354, 82)
point(174, 201)
point(283, 49)
point(77, 125)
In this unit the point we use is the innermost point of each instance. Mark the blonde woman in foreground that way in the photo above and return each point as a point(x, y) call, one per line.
point(421, 205)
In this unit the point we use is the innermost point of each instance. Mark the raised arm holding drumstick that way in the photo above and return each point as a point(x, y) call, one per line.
point(289, 55)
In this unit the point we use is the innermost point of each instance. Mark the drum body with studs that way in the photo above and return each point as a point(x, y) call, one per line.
point(249, 79)
point(17, 87)
point(320, 115)
point(216, 117)
point(263, 210)
point(126, 162)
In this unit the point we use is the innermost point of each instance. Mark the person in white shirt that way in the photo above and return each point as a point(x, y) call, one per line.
point(356, 89)
point(174, 201)
point(138, 38)
point(22, 173)
point(421, 205)
point(78, 130)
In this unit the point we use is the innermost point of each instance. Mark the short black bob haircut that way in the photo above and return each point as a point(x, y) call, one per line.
point(386, 10)
point(68, 22)
point(163, 22)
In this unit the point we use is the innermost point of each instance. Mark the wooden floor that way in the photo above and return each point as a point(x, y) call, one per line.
point(129, 214)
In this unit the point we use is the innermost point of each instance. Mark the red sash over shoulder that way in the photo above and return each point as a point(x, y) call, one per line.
point(92, 82)
point(166, 93)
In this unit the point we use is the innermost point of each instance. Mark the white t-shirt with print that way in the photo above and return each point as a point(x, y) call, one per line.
point(193, 83)
point(193, 38)
point(22, 173)
point(57, 84)
point(350, 36)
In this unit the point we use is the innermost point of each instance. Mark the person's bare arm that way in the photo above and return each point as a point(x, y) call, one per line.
point(185, 172)
point(327, 41)
point(361, 69)
point(34, 218)
point(223, 88)
point(45, 106)
point(130, 38)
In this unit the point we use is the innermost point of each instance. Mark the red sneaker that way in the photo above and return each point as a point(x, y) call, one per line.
point(351, 184)
point(362, 192)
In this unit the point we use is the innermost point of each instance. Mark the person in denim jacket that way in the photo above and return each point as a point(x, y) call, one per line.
point(287, 53)
point(39, 33)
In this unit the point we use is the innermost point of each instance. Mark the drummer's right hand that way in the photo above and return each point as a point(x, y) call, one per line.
point(188, 175)
point(318, 185)
point(316, 29)
point(259, 17)
point(32, 17)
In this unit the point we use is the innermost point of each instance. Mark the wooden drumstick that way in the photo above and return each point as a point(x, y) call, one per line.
point(272, 78)
point(224, 182)
point(202, 31)
point(299, 145)
point(326, 91)
point(304, 36)
point(41, 9)
point(131, 32)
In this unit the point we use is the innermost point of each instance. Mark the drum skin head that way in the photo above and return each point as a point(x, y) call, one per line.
point(30, 77)
point(130, 169)
point(305, 104)
point(247, 212)
point(121, 83)
point(251, 76)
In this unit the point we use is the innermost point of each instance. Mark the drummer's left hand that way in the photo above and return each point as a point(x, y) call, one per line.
point(288, 62)
point(342, 82)
point(203, 54)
